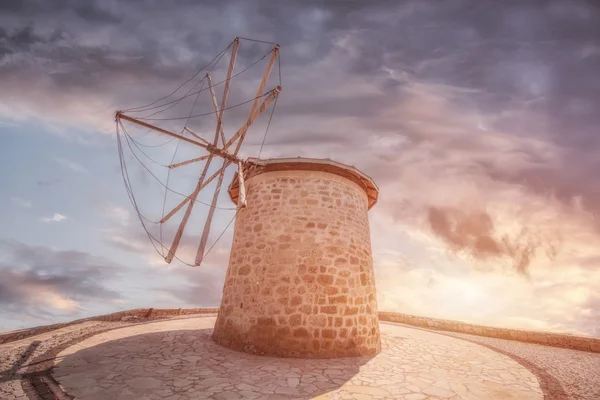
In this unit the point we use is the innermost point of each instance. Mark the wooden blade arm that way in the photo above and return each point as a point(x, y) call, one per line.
point(202, 186)
point(119, 115)
point(234, 51)
point(214, 150)
point(265, 78)
point(173, 211)
point(211, 213)
point(179, 233)
point(196, 135)
point(181, 164)
point(208, 146)
point(215, 105)
point(190, 200)
point(242, 187)
point(242, 131)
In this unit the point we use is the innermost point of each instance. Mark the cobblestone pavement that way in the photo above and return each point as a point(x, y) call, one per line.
point(16, 357)
point(577, 372)
point(177, 360)
point(22, 360)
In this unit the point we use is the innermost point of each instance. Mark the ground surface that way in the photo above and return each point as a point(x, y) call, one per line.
point(176, 359)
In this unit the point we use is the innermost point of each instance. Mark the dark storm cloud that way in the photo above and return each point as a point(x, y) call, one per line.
point(91, 11)
point(529, 69)
point(38, 280)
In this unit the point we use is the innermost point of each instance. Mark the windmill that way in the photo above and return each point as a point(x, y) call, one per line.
point(300, 279)
point(218, 149)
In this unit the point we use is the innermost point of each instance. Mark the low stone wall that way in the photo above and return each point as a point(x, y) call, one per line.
point(544, 338)
point(138, 313)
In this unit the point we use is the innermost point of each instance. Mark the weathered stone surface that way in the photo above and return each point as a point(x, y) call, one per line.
point(545, 338)
point(413, 364)
point(301, 270)
point(416, 363)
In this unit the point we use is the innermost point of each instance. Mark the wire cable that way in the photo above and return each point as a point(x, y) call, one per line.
point(154, 145)
point(184, 83)
point(153, 240)
point(169, 170)
point(279, 67)
point(214, 85)
point(219, 237)
point(257, 41)
point(159, 181)
point(268, 125)
point(205, 114)
point(120, 128)
point(201, 83)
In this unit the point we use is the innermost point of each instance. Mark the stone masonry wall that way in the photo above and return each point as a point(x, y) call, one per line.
point(138, 313)
point(300, 281)
point(544, 338)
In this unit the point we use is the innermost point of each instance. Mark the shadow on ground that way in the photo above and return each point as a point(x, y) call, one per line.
point(188, 363)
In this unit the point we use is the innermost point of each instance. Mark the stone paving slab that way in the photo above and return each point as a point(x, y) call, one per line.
point(48, 335)
point(177, 360)
point(576, 372)
point(22, 360)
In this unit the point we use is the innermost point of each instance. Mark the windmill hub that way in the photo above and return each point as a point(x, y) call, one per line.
point(300, 280)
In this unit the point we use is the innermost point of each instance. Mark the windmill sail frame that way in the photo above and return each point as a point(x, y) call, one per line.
point(214, 149)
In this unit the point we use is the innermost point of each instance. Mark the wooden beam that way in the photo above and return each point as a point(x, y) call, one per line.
point(215, 105)
point(242, 131)
point(265, 78)
point(192, 198)
point(173, 211)
point(179, 232)
point(220, 112)
point(234, 51)
point(181, 164)
point(212, 148)
point(242, 187)
point(119, 115)
point(196, 135)
point(184, 201)
point(211, 213)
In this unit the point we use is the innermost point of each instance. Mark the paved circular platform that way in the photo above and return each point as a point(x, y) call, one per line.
point(177, 360)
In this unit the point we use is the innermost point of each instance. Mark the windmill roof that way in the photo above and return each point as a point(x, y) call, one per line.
point(307, 164)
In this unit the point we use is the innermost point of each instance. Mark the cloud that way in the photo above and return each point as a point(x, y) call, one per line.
point(54, 218)
point(194, 287)
point(22, 202)
point(73, 166)
point(41, 282)
point(119, 214)
point(477, 121)
point(473, 231)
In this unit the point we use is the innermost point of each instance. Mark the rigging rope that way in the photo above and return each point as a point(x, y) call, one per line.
point(201, 83)
point(184, 83)
point(268, 125)
point(205, 114)
point(214, 85)
point(254, 40)
point(141, 217)
point(173, 159)
point(152, 106)
point(127, 136)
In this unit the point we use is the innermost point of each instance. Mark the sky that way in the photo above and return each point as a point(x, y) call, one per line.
point(477, 120)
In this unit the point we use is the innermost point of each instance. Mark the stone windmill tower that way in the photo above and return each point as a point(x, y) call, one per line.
point(300, 279)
